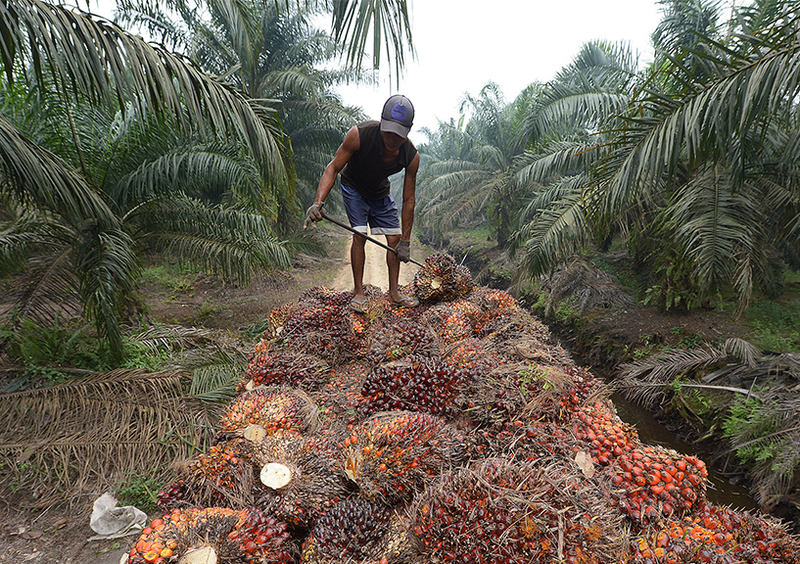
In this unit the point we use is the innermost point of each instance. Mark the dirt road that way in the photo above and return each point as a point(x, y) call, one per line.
point(375, 270)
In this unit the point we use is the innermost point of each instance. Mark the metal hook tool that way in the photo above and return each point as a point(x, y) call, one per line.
point(367, 237)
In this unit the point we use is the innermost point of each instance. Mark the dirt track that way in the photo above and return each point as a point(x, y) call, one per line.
point(375, 270)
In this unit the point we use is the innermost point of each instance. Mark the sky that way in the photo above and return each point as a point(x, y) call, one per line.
point(462, 45)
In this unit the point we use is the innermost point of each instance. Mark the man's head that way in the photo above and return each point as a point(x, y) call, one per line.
point(397, 116)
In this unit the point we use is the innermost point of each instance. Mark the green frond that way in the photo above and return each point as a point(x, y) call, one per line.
point(109, 66)
point(215, 377)
point(557, 158)
point(386, 21)
point(554, 234)
point(229, 241)
point(34, 176)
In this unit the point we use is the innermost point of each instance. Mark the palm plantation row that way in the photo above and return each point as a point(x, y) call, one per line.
point(113, 147)
point(691, 162)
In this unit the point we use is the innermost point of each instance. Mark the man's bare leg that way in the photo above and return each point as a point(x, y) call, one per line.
point(394, 269)
point(357, 258)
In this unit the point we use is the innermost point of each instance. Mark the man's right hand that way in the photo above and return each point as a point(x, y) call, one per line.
point(314, 213)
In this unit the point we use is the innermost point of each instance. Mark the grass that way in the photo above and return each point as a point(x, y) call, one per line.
point(174, 279)
point(138, 490)
point(776, 325)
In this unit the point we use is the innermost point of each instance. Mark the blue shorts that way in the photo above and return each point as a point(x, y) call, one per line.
point(380, 215)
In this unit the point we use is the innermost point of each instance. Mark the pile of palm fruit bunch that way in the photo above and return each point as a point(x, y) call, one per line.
point(455, 431)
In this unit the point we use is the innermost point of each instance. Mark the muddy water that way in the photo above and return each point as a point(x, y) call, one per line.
point(651, 431)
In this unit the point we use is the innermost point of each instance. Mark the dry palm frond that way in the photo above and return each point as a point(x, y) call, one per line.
point(649, 381)
point(591, 286)
point(99, 429)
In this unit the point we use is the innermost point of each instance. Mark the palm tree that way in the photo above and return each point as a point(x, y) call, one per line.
point(469, 172)
point(703, 156)
point(272, 54)
point(565, 130)
point(59, 216)
point(353, 23)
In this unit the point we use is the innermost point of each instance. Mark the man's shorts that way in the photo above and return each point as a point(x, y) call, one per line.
point(380, 215)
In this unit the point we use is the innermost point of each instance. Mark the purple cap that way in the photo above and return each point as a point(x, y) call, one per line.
point(398, 115)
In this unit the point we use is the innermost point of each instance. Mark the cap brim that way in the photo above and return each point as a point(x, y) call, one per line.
point(394, 127)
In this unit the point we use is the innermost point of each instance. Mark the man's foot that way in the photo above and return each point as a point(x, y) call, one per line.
point(405, 302)
point(358, 306)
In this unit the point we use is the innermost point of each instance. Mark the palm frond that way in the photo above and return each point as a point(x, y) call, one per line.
point(215, 377)
point(109, 66)
point(386, 21)
point(223, 239)
point(556, 232)
point(651, 380)
point(34, 176)
point(97, 429)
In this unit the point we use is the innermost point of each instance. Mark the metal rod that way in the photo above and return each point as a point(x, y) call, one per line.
point(367, 237)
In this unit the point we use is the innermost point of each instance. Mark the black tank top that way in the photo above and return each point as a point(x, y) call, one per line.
point(365, 171)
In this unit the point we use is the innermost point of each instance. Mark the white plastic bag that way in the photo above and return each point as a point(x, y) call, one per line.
point(112, 522)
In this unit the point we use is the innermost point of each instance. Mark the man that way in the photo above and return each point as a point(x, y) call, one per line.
point(370, 153)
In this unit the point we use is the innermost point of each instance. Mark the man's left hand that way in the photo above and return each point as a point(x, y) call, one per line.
point(404, 251)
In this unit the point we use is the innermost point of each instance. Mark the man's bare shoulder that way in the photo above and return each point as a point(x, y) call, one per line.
point(352, 140)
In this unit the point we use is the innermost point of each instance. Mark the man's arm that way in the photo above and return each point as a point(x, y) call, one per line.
point(409, 198)
point(351, 144)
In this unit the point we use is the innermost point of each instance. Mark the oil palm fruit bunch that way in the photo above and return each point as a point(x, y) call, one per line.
point(463, 282)
point(517, 336)
point(331, 332)
point(440, 280)
point(718, 535)
point(195, 536)
point(277, 319)
point(652, 482)
point(265, 410)
point(398, 338)
point(450, 325)
point(173, 496)
point(325, 295)
point(497, 510)
point(470, 356)
point(302, 477)
point(585, 389)
point(282, 367)
point(521, 391)
point(466, 308)
point(501, 322)
point(358, 531)
point(415, 383)
point(490, 298)
point(341, 395)
point(392, 455)
point(522, 439)
point(222, 475)
point(603, 434)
